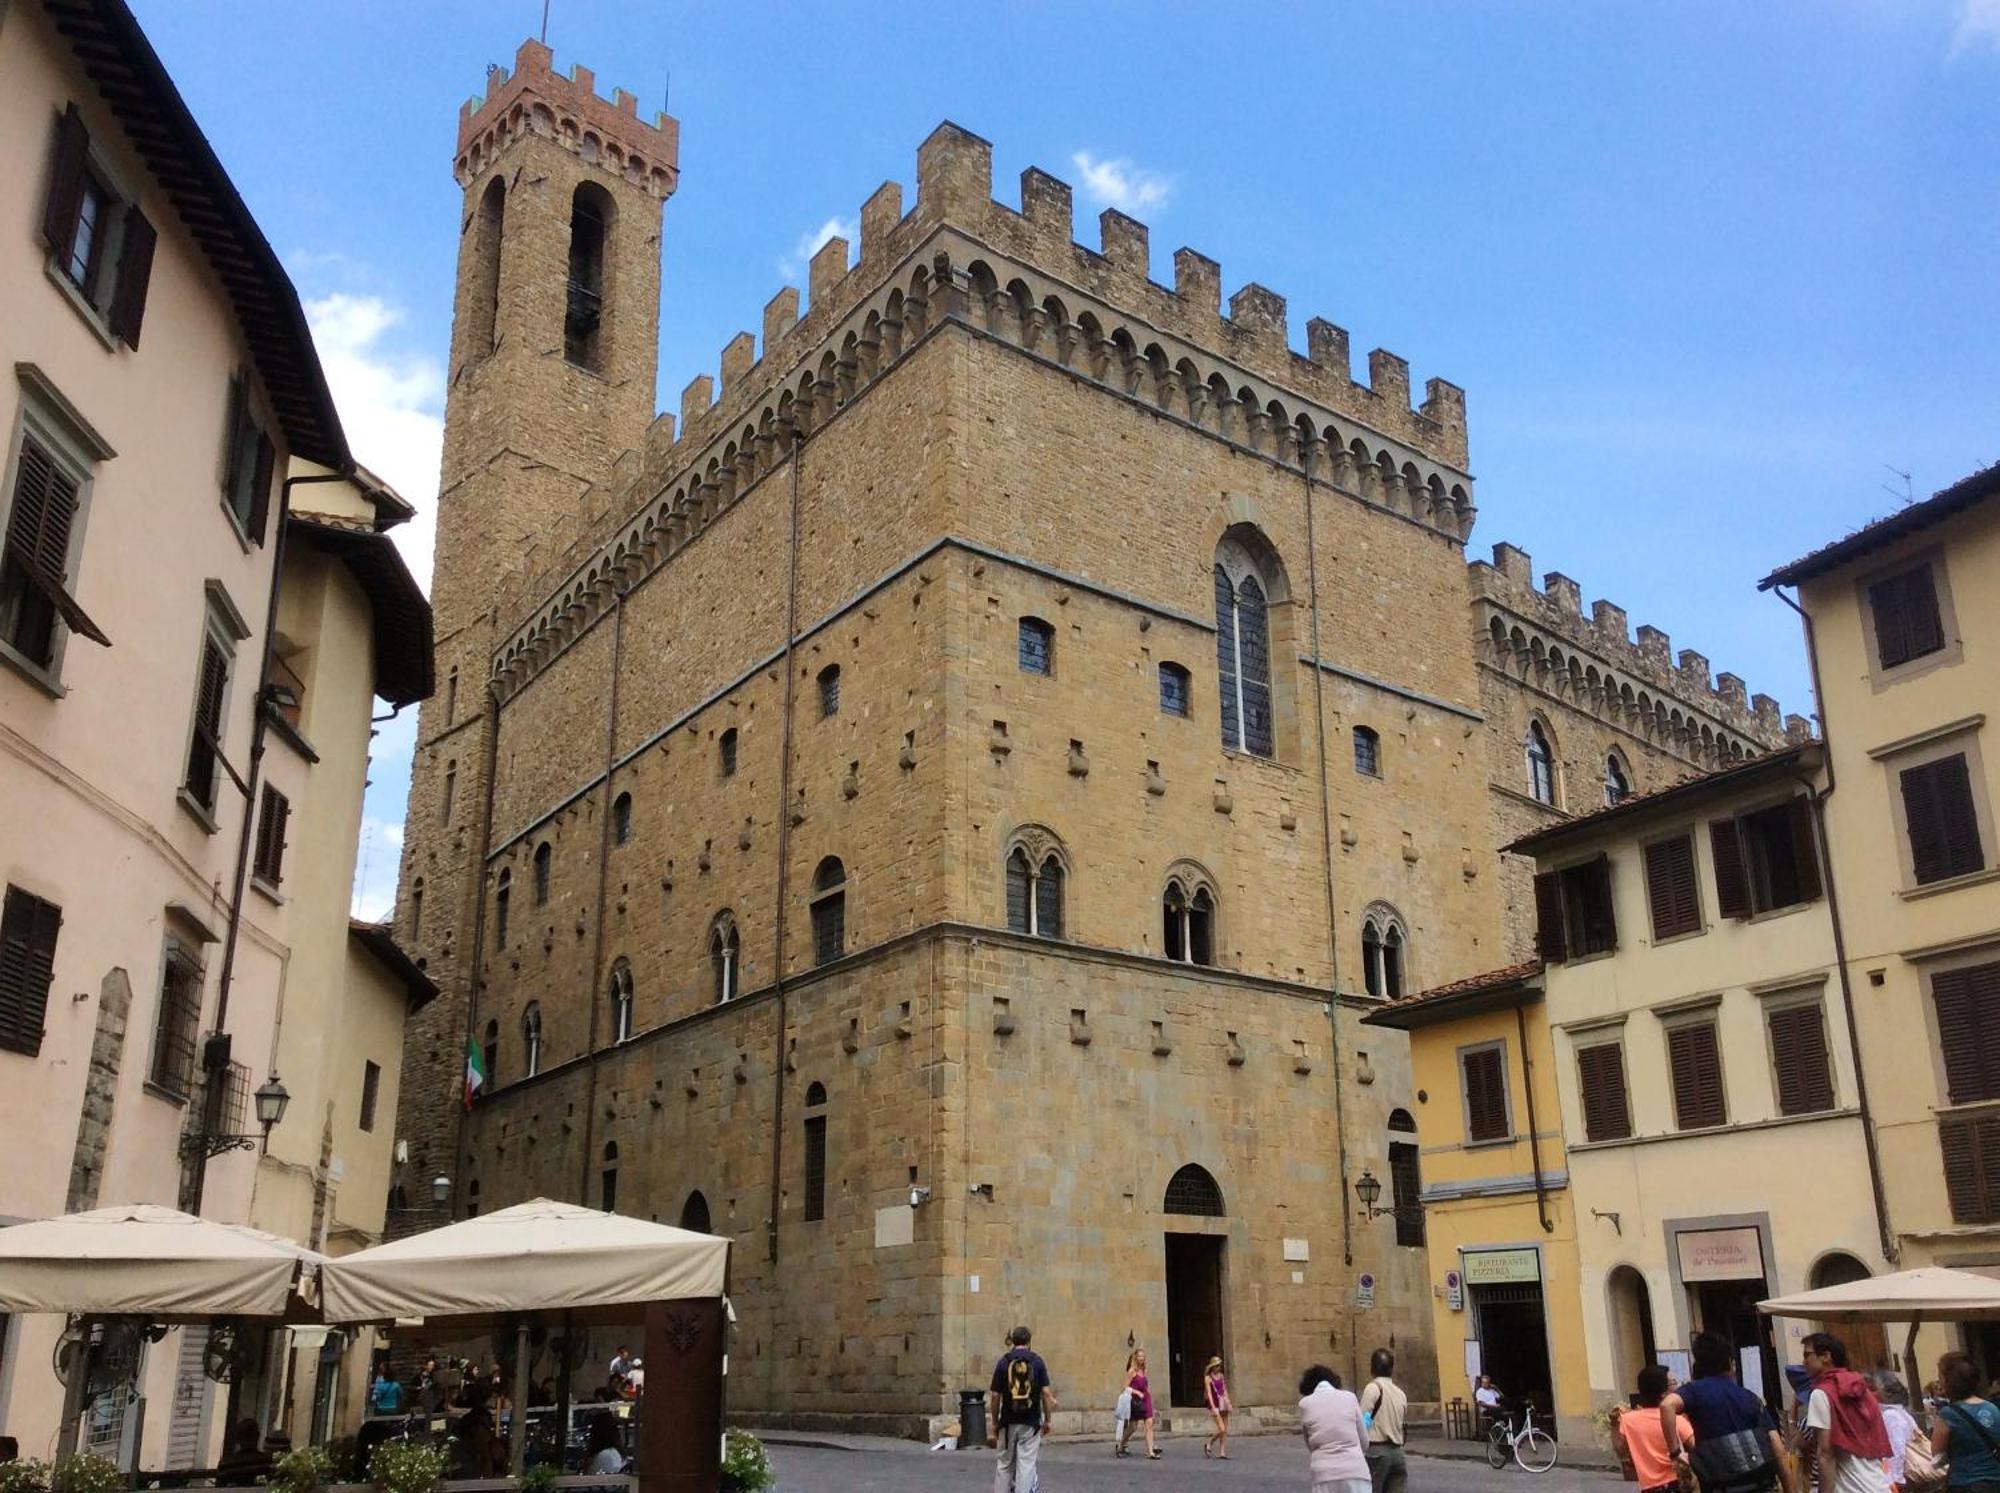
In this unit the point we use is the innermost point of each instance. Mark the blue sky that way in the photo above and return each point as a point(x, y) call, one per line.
point(1707, 271)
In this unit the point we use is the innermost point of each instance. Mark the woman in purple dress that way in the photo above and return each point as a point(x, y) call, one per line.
point(1142, 1403)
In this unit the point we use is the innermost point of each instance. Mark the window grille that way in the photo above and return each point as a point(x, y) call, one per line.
point(1193, 1191)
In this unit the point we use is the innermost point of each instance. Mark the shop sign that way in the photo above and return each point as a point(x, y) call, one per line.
point(1502, 1267)
point(1721, 1254)
point(1454, 1291)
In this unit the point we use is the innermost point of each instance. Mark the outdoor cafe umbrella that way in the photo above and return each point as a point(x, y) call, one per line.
point(536, 1256)
point(142, 1260)
point(1929, 1294)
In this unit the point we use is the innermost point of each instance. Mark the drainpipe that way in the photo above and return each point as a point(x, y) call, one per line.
point(1817, 798)
point(784, 856)
point(1534, 1136)
point(603, 887)
point(213, 1090)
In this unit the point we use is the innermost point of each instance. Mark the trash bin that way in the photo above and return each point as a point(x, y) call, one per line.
point(971, 1419)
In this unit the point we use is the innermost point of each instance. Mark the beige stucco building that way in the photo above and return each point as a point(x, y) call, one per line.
point(1702, 1050)
point(933, 808)
point(1904, 633)
point(162, 402)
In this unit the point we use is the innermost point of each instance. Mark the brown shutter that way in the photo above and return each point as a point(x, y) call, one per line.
point(1697, 1073)
point(28, 929)
point(1970, 1147)
point(135, 273)
point(1597, 897)
point(1550, 941)
point(1798, 1055)
point(38, 533)
point(1920, 612)
point(232, 436)
point(270, 856)
point(1942, 820)
point(1670, 887)
point(66, 179)
point(1968, 1023)
point(206, 747)
point(1732, 882)
point(1601, 1077)
point(260, 488)
point(1907, 621)
point(1805, 848)
point(1485, 1094)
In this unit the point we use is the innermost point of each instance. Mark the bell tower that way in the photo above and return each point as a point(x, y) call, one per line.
point(554, 345)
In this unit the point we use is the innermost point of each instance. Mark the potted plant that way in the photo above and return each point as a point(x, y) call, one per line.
point(746, 1467)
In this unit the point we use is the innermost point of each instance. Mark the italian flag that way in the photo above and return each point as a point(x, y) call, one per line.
point(475, 1072)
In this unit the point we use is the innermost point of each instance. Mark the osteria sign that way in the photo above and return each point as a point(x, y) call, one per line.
point(1721, 1254)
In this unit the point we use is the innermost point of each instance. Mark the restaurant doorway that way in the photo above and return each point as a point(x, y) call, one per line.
point(1510, 1324)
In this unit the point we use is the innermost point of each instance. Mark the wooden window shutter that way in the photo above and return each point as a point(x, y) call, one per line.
point(1805, 848)
point(260, 488)
point(232, 435)
point(1732, 880)
point(1968, 1021)
point(1670, 888)
point(39, 525)
point(1907, 621)
point(1696, 1068)
point(1550, 939)
point(1602, 916)
point(1943, 822)
point(135, 273)
point(1485, 1094)
point(1798, 1055)
point(271, 825)
point(28, 929)
point(1970, 1146)
point(205, 751)
point(66, 181)
point(1600, 1073)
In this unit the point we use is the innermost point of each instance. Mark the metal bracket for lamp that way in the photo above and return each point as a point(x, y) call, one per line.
point(270, 1099)
point(1368, 1188)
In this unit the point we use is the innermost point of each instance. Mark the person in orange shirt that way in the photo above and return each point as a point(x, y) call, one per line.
point(1646, 1438)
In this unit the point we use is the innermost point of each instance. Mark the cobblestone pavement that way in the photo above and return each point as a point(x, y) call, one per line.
point(871, 1465)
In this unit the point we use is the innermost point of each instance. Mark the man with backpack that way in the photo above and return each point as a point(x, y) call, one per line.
point(1018, 1402)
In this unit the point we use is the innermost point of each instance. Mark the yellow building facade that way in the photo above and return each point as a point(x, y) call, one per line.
point(1710, 1104)
point(1903, 620)
point(1484, 1185)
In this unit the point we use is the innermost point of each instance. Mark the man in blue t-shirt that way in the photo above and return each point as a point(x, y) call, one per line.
point(1018, 1403)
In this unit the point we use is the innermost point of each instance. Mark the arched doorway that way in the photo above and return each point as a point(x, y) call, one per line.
point(1867, 1344)
point(1194, 1284)
point(1632, 1343)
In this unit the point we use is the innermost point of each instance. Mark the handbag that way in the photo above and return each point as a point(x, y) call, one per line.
point(1924, 1471)
point(1735, 1459)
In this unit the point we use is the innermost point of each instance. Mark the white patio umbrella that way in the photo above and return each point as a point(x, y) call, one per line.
point(1931, 1293)
point(141, 1260)
point(536, 1256)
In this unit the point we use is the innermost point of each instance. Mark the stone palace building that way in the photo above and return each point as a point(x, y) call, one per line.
point(935, 811)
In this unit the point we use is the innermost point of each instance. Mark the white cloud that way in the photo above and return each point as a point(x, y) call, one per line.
point(374, 897)
point(1978, 25)
point(809, 244)
point(392, 404)
point(1120, 184)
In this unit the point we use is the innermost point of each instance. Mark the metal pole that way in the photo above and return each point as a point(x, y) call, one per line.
point(74, 1392)
point(517, 1427)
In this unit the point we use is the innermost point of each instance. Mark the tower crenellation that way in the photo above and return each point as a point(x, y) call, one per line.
point(567, 109)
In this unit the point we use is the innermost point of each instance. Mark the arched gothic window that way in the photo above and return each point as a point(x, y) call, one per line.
point(724, 949)
point(1541, 764)
point(544, 860)
point(503, 895)
point(1035, 878)
point(609, 1178)
point(416, 909)
point(829, 911)
point(694, 1214)
point(621, 819)
point(1617, 786)
point(1405, 1179)
point(621, 1002)
point(531, 1039)
point(1188, 910)
point(489, 1053)
point(1193, 1191)
point(829, 691)
point(450, 794)
point(1243, 652)
point(725, 748)
point(1383, 952)
point(483, 326)
point(815, 1158)
point(590, 219)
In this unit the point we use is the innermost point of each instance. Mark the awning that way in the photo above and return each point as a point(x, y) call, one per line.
point(1930, 1294)
point(141, 1260)
point(536, 1256)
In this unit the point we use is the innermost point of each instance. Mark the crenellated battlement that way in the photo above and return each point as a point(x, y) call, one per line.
point(1541, 634)
point(1013, 274)
point(536, 98)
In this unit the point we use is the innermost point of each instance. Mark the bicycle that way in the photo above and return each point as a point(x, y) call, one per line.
point(1531, 1448)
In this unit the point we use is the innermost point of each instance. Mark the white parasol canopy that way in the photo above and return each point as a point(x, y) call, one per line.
point(1930, 1294)
point(536, 1256)
point(142, 1260)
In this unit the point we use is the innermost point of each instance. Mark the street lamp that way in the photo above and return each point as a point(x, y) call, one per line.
point(440, 1190)
point(269, 1101)
point(1369, 1190)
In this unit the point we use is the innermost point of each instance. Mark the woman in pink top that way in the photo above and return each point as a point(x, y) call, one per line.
point(1142, 1402)
point(1336, 1441)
